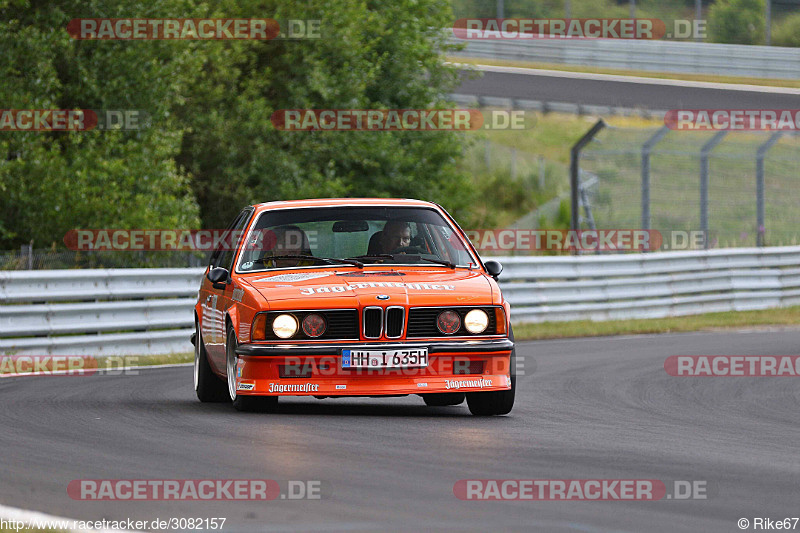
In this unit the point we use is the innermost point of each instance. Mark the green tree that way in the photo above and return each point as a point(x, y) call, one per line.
point(737, 21)
point(211, 147)
point(372, 54)
point(787, 33)
point(52, 182)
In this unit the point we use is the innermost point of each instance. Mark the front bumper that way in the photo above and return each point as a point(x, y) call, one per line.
point(333, 349)
point(470, 365)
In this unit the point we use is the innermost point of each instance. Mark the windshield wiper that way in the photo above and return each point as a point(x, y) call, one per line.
point(329, 260)
point(443, 262)
point(448, 264)
point(373, 257)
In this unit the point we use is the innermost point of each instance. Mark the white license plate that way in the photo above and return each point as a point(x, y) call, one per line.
point(401, 358)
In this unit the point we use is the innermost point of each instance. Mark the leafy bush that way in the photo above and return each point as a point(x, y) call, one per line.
point(212, 148)
point(737, 21)
point(787, 33)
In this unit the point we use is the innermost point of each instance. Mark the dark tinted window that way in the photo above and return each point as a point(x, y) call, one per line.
point(223, 256)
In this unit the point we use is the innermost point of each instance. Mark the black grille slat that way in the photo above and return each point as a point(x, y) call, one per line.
point(422, 321)
point(340, 324)
point(395, 317)
point(373, 322)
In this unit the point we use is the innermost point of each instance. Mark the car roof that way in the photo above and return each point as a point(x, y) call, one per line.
point(339, 202)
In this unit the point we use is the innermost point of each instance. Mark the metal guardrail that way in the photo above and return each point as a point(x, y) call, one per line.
point(650, 285)
point(144, 311)
point(656, 56)
point(97, 312)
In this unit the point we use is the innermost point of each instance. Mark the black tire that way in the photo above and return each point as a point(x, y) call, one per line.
point(495, 402)
point(208, 386)
point(254, 404)
point(443, 399)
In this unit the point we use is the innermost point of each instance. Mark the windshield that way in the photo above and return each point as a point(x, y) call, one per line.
point(356, 236)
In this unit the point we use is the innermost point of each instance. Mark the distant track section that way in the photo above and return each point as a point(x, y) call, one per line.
point(620, 91)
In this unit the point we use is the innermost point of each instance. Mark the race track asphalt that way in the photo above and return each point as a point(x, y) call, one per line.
point(599, 408)
point(546, 86)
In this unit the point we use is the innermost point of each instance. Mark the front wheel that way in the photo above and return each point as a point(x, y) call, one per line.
point(496, 402)
point(207, 385)
point(260, 404)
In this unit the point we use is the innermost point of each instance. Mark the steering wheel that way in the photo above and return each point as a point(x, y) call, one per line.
point(409, 250)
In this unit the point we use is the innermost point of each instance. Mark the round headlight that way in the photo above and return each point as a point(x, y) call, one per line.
point(313, 325)
point(284, 326)
point(448, 322)
point(476, 321)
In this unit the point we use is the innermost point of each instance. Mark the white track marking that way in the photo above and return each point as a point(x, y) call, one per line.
point(31, 517)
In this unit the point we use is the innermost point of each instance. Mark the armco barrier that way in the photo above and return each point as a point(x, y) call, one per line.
point(148, 311)
point(609, 287)
point(97, 312)
point(656, 56)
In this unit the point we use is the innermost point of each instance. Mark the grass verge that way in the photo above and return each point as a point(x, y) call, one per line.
point(769, 82)
point(168, 359)
point(785, 316)
point(8, 365)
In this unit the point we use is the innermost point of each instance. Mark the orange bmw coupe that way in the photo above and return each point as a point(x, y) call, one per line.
point(352, 297)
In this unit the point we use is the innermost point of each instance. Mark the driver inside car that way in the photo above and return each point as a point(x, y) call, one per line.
point(396, 234)
point(287, 240)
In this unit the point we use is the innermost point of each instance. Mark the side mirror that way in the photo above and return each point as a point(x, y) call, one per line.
point(493, 268)
point(219, 277)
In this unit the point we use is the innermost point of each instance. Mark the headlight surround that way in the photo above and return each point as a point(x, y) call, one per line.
point(285, 326)
point(476, 321)
point(259, 331)
point(448, 322)
point(314, 325)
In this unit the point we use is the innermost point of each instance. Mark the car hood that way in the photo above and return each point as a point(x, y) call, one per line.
point(356, 288)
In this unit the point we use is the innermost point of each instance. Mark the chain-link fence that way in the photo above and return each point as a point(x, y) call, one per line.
point(694, 181)
point(49, 259)
point(526, 187)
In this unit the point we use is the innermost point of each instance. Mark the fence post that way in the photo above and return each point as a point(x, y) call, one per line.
point(542, 171)
point(26, 255)
point(647, 147)
point(704, 153)
point(768, 16)
point(698, 15)
point(487, 155)
point(574, 166)
point(587, 208)
point(760, 154)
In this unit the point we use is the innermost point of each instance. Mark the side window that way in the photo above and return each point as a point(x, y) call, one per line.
point(223, 256)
